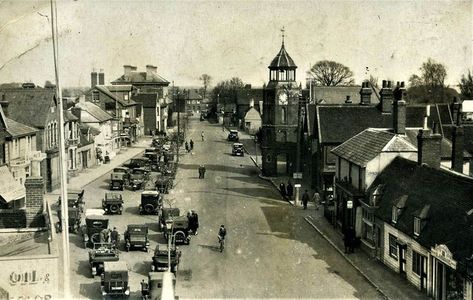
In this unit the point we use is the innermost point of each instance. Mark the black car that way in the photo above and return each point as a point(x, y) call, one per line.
point(112, 203)
point(233, 136)
point(237, 149)
point(136, 236)
point(151, 202)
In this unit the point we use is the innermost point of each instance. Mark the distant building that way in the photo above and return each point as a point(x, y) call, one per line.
point(145, 82)
point(154, 112)
point(252, 121)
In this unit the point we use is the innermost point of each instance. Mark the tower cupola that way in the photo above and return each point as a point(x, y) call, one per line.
point(282, 67)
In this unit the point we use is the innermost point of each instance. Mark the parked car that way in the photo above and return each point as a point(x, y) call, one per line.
point(139, 162)
point(138, 178)
point(163, 184)
point(112, 203)
point(101, 253)
point(237, 149)
point(179, 231)
point(74, 219)
point(136, 236)
point(95, 226)
point(167, 213)
point(160, 259)
point(233, 135)
point(162, 283)
point(151, 202)
point(75, 198)
point(119, 178)
point(114, 280)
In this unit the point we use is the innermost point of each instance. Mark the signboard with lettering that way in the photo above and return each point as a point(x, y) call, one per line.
point(349, 204)
point(442, 253)
point(297, 175)
point(29, 277)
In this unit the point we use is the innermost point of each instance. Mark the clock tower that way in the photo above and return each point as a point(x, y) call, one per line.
point(280, 116)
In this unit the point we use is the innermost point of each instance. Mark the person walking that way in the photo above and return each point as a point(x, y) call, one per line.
point(114, 236)
point(203, 171)
point(316, 199)
point(186, 145)
point(200, 172)
point(305, 199)
point(289, 190)
point(202, 135)
point(191, 144)
point(282, 189)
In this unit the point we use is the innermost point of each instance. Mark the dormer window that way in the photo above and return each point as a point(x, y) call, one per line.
point(398, 208)
point(420, 220)
point(417, 223)
point(394, 214)
point(377, 194)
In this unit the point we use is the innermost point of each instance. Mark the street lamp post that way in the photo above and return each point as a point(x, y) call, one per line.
point(169, 225)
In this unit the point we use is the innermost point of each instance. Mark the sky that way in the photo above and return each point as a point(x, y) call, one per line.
point(184, 39)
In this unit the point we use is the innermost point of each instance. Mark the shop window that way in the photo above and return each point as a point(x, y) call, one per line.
point(392, 246)
point(417, 262)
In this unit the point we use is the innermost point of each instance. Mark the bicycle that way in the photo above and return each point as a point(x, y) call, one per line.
point(221, 243)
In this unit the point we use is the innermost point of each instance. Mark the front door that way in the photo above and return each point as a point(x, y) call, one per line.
point(84, 159)
point(423, 273)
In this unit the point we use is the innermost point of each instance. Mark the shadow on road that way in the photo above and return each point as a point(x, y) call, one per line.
point(214, 248)
point(90, 290)
point(142, 268)
point(84, 268)
point(221, 168)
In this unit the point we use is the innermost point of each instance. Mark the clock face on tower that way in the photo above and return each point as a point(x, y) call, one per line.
point(282, 98)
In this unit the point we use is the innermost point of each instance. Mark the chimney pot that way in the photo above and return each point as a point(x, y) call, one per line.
point(384, 84)
point(389, 84)
point(93, 78)
point(402, 84)
point(428, 148)
point(365, 93)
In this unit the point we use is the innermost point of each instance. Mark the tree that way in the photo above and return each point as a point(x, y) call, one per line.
point(466, 86)
point(206, 79)
point(429, 86)
point(331, 73)
point(225, 91)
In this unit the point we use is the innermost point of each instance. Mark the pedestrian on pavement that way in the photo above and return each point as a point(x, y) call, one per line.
point(144, 288)
point(200, 172)
point(352, 239)
point(202, 135)
point(186, 145)
point(346, 241)
point(316, 199)
point(282, 189)
point(305, 199)
point(191, 143)
point(203, 171)
point(289, 190)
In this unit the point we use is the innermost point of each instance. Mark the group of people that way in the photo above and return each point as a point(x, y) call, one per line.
point(189, 146)
point(112, 236)
point(287, 191)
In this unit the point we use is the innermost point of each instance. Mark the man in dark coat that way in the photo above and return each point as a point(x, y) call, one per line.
point(305, 199)
point(289, 190)
point(191, 143)
point(282, 189)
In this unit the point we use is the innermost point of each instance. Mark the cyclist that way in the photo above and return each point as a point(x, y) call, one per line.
point(222, 232)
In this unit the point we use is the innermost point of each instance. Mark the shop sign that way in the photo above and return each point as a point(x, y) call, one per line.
point(442, 253)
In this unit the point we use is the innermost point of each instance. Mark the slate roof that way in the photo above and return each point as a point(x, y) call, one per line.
point(338, 94)
point(147, 100)
point(120, 88)
point(95, 111)
point(136, 77)
point(29, 106)
point(68, 116)
point(445, 145)
point(447, 193)
point(16, 129)
point(104, 89)
point(337, 123)
point(368, 144)
point(245, 95)
point(282, 60)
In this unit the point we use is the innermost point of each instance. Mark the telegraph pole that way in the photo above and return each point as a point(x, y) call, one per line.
point(178, 124)
point(62, 159)
point(298, 148)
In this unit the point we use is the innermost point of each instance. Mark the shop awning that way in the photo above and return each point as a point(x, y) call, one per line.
point(10, 189)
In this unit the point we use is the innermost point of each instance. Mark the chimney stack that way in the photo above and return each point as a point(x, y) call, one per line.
point(34, 202)
point(386, 94)
point(93, 79)
point(428, 147)
point(76, 111)
point(399, 109)
point(348, 100)
point(150, 71)
point(458, 144)
point(456, 110)
point(365, 93)
point(4, 105)
point(101, 77)
point(127, 70)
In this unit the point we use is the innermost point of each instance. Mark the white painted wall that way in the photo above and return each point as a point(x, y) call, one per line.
point(377, 165)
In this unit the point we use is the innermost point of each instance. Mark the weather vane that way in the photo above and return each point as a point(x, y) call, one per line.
point(282, 31)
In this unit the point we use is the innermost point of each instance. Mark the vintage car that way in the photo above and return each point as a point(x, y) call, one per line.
point(75, 198)
point(138, 178)
point(160, 285)
point(163, 183)
point(74, 219)
point(112, 203)
point(160, 261)
point(136, 236)
point(233, 136)
point(101, 253)
point(180, 230)
point(95, 229)
point(237, 149)
point(151, 202)
point(119, 178)
point(167, 213)
point(114, 280)
point(139, 162)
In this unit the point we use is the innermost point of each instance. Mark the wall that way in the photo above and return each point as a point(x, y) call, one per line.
point(375, 166)
point(149, 118)
point(12, 218)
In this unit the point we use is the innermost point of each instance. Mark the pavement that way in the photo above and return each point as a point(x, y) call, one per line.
point(389, 283)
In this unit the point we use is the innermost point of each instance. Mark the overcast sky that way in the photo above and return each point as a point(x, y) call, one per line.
point(232, 38)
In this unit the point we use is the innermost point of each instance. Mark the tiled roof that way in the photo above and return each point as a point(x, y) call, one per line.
point(282, 60)
point(147, 100)
point(68, 116)
point(445, 145)
point(16, 129)
point(337, 123)
point(95, 111)
point(140, 77)
point(194, 94)
point(368, 144)
point(245, 95)
point(449, 197)
point(338, 94)
point(104, 89)
point(29, 106)
point(85, 128)
point(120, 88)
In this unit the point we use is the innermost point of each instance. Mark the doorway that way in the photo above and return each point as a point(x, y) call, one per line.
point(402, 259)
